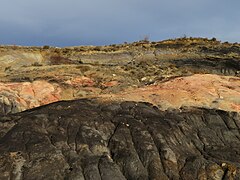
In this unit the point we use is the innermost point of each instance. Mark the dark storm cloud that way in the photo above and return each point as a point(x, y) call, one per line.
point(75, 22)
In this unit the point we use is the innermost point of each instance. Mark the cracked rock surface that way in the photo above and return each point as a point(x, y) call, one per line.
point(92, 140)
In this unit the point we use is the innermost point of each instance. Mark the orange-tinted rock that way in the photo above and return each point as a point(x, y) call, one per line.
point(80, 81)
point(201, 90)
point(110, 84)
point(29, 95)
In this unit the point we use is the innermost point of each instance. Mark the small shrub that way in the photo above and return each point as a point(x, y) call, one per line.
point(7, 68)
point(213, 39)
point(46, 47)
point(184, 36)
point(36, 64)
point(146, 38)
point(97, 48)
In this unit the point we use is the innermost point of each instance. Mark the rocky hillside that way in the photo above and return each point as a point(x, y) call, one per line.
point(208, 69)
point(145, 110)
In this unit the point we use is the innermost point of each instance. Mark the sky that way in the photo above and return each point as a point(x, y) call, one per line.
point(102, 22)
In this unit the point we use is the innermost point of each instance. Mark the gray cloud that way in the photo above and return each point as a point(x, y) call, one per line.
point(75, 22)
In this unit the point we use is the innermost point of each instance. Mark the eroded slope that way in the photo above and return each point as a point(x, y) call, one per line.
point(87, 139)
point(139, 71)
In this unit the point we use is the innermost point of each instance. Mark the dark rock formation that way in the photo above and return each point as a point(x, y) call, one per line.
point(87, 139)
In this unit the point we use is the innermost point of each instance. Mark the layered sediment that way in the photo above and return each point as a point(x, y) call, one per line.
point(202, 72)
point(144, 110)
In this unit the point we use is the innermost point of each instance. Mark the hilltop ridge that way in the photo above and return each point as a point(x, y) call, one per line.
point(108, 71)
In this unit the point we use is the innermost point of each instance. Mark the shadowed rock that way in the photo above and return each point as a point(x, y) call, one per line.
point(88, 139)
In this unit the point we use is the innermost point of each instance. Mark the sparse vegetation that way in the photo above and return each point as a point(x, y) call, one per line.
point(36, 64)
point(146, 38)
point(46, 47)
point(8, 68)
point(213, 39)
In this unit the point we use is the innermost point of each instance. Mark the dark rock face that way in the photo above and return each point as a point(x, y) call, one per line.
point(212, 66)
point(86, 139)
